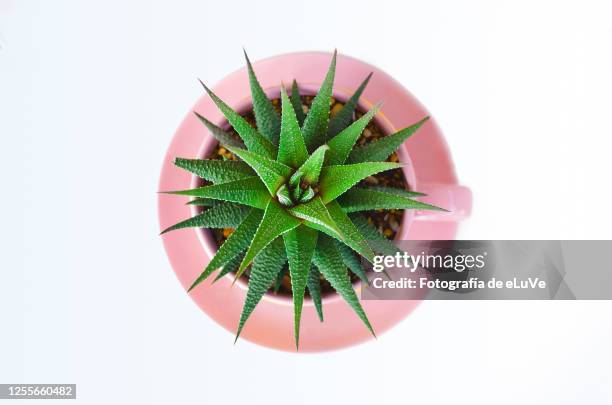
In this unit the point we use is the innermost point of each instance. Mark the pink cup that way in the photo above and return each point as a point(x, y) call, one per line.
point(429, 170)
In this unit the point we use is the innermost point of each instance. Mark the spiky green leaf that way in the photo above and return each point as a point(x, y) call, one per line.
point(235, 244)
point(314, 288)
point(224, 215)
point(351, 260)
point(383, 148)
point(330, 264)
point(315, 212)
point(253, 140)
point(266, 266)
point(311, 169)
point(335, 180)
point(351, 239)
point(341, 145)
point(315, 124)
point(275, 222)
point(300, 244)
point(266, 117)
point(351, 234)
point(344, 117)
point(361, 199)
point(307, 195)
point(231, 265)
point(283, 196)
point(225, 138)
point(296, 101)
point(397, 191)
point(203, 202)
point(250, 191)
point(217, 171)
point(271, 172)
point(297, 193)
point(292, 149)
point(375, 239)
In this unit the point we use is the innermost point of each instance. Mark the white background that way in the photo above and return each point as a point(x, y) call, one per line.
point(90, 95)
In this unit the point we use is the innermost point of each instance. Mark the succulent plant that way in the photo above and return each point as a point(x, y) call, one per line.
point(292, 196)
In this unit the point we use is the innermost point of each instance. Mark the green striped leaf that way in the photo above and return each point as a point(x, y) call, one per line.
point(235, 244)
point(225, 138)
point(275, 222)
point(345, 116)
point(231, 265)
point(253, 140)
point(283, 196)
point(216, 171)
point(383, 148)
point(300, 244)
point(375, 239)
point(296, 101)
point(352, 240)
point(272, 173)
point(224, 215)
point(352, 237)
point(250, 191)
point(203, 202)
point(306, 195)
point(268, 122)
point(311, 169)
point(351, 260)
point(397, 191)
point(263, 272)
point(335, 180)
point(315, 124)
point(342, 144)
point(292, 149)
point(361, 199)
point(314, 288)
point(315, 212)
point(330, 264)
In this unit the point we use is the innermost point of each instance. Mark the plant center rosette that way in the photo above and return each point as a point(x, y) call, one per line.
point(293, 195)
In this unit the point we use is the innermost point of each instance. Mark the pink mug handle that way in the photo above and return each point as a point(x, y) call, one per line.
point(452, 197)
